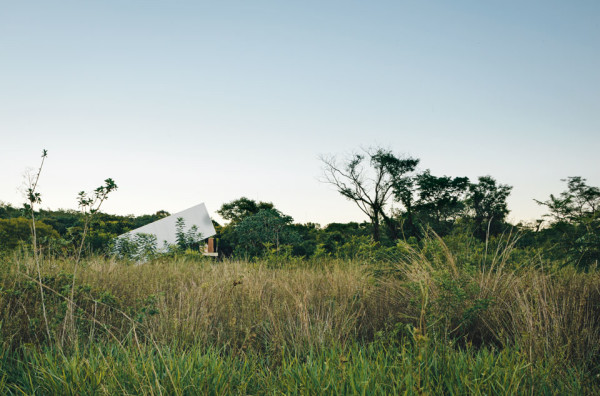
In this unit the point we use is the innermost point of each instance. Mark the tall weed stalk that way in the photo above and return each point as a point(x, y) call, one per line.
point(89, 204)
point(33, 198)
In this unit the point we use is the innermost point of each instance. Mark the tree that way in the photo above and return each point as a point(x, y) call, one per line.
point(487, 202)
point(308, 234)
point(404, 193)
point(235, 211)
point(440, 200)
point(18, 230)
point(578, 203)
point(335, 235)
point(575, 222)
point(7, 211)
point(268, 227)
point(369, 179)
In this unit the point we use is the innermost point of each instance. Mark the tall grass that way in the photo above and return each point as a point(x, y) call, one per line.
point(545, 313)
point(427, 321)
point(376, 368)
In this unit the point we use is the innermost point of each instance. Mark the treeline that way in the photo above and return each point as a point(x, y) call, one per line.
point(258, 229)
point(401, 203)
point(60, 231)
point(405, 204)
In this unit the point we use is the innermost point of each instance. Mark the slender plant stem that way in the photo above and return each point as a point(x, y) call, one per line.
point(32, 201)
point(90, 208)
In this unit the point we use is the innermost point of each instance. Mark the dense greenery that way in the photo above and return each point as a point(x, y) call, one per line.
point(449, 207)
point(377, 180)
point(575, 223)
point(380, 368)
point(64, 228)
point(569, 235)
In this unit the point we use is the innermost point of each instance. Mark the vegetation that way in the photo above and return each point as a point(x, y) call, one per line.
point(371, 188)
point(449, 206)
point(444, 298)
point(575, 223)
point(428, 321)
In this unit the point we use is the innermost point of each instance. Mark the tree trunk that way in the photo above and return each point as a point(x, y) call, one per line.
point(391, 226)
point(375, 222)
point(412, 229)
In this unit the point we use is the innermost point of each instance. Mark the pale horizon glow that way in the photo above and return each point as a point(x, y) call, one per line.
point(185, 102)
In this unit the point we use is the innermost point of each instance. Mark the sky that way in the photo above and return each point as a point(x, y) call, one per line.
point(182, 102)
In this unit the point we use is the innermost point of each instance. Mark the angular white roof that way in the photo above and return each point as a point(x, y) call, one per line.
point(165, 229)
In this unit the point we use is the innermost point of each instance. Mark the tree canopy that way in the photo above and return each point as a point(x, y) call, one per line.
point(575, 222)
point(487, 201)
point(369, 179)
point(238, 209)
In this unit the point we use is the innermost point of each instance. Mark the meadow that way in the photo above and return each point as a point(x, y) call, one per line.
point(425, 320)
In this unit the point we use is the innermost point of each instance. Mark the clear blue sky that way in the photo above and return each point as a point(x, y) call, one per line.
point(183, 102)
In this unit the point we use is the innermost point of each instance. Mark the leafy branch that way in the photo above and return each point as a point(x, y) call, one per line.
point(89, 204)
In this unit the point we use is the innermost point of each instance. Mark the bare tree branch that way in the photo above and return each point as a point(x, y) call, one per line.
point(369, 187)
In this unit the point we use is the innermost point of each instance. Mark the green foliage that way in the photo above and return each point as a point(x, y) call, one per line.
point(426, 201)
point(457, 305)
point(21, 310)
point(441, 201)
point(575, 223)
point(371, 188)
point(89, 205)
point(308, 234)
point(7, 211)
point(31, 194)
point(237, 210)
point(141, 247)
point(138, 248)
point(335, 235)
point(487, 201)
point(187, 239)
point(448, 206)
point(372, 369)
point(579, 203)
point(434, 325)
point(281, 257)
point(17, 231)
point(267, 228)
point(69, 225)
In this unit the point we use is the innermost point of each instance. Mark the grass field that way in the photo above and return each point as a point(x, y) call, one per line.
point(423, 323)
